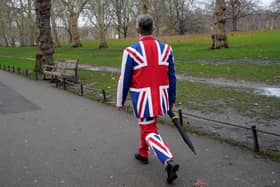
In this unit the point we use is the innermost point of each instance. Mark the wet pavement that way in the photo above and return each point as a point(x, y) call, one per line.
point(61, 139)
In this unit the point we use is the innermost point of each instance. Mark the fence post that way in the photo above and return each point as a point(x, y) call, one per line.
point(255, 137)
point(64, 83)
point(104, 95)
point(36, 75)
point(180, 117)
point(82, 89)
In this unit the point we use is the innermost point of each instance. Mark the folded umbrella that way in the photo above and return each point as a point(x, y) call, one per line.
point(182, 131)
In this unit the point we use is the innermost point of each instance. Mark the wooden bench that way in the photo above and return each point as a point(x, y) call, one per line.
point(62, 70)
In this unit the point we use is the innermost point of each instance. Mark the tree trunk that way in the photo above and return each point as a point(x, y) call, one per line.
point(101, 25)
point(54, 31)
point(30, 23)
point(118, 14)
point(21, 34)
point(4, 34)
point(74, 31)
point(219, 38)
point(144, 7)
point(234, 23)
point(44, 39)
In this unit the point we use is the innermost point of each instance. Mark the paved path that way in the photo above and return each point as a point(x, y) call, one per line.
point(49, 137)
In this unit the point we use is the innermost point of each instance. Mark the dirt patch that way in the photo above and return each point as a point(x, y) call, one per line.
point(242, 135)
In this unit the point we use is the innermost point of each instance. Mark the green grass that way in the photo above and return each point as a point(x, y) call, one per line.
point(206, 98)
point(264, 73)
point(17, 62)
point(202, 97)
point(254, 45)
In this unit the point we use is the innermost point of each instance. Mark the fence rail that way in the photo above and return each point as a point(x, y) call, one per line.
point(105, 97)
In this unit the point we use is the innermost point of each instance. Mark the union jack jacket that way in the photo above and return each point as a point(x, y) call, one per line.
point(148, 73)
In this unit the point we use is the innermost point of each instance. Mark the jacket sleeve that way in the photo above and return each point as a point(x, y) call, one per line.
point(172, 79)
point(124, 79)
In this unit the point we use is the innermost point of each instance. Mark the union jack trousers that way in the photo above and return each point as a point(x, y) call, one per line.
point(150, 138)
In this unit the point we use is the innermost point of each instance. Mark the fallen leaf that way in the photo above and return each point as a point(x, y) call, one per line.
point(199, 183)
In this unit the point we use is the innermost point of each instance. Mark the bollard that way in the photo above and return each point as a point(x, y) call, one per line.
point(18, 71)
point(9, 69)
point(82, 89)
point(180, 117)
point(26, 72)
point(104, 95)
point(0, 66)
point(13, 69)
point(255, 137)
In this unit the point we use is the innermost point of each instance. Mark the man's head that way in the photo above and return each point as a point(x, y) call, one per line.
point(145, 24)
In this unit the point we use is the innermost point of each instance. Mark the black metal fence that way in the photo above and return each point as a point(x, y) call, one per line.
point(106, 97)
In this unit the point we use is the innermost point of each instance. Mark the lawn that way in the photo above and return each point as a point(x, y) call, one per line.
point(189, 51)
point(202, 97)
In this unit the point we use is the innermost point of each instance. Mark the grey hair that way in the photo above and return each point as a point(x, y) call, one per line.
point(145, 24)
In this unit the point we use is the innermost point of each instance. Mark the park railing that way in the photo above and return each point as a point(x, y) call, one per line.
point(109, 98)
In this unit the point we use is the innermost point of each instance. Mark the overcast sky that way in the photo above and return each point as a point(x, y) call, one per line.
point(266, 2)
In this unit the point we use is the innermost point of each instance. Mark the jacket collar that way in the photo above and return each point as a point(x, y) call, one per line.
point(147, 37)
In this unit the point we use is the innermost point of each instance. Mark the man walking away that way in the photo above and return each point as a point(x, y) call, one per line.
point(148, 73)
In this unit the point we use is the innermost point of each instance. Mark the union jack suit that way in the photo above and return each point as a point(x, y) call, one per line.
point(148, 73)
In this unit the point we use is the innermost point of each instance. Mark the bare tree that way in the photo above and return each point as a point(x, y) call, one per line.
point(219, 38)
point(178, 15)
point(74, 9)
point(100, 22)
point(100, 14)
point(44, 39)
point(125, 11)
point(237, 9)
point(53, 24)
point(144, 6)
point(158, 10)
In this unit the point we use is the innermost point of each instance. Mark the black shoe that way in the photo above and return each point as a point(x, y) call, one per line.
point(171, 170)
point(142, 159)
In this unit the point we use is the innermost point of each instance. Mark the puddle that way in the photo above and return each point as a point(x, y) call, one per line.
point(100, 68)
point(259, 88)
point(274, 92)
